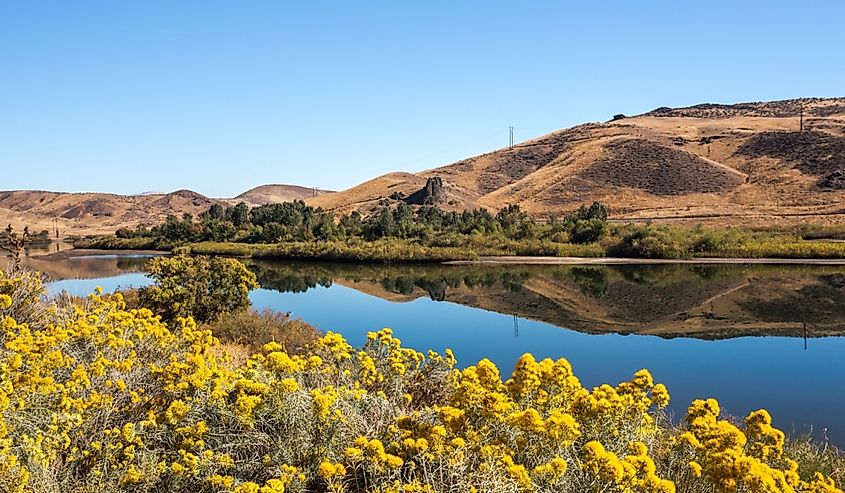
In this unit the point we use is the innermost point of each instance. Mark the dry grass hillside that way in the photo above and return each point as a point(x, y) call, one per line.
point(729, 164)
point(89, 213)
point(743, 163)
point(272, 194)
point(101, 213)
point(391, 189)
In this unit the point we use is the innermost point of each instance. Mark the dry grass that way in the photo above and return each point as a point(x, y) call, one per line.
point(273, 194)
point(94, 213)
point(680, 164)
point(672, 164)
point(246, 331)
point(660, 169)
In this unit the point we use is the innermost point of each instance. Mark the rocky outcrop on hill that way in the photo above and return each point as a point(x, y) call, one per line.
point(432, 194)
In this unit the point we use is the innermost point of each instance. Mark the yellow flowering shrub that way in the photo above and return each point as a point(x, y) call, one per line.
point(96, 397)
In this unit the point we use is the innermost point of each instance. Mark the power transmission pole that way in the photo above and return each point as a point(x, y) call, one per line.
point(801, 118)
point(805, 336)
point(510, 142)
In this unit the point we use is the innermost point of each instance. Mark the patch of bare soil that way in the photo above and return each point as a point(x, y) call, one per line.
point(814, 153)
point(660, 169)
point(830, 110)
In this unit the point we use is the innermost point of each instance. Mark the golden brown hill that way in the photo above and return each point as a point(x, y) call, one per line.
point(101, 213)
point(390, 189)
point(273, 194)
point(742, 163)
point(90, 213)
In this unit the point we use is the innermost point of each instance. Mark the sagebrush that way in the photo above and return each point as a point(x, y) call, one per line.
point(101, 398)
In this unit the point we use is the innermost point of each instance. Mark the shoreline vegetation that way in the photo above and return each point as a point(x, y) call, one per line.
point(296, 231)
point(97, 396)
point(106, 394)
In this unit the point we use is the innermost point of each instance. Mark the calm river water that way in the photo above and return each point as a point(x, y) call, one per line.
point(750, 336)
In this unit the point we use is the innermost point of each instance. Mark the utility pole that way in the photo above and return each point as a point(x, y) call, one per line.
point(801, 119)
point(805, 336)
point(510, 142)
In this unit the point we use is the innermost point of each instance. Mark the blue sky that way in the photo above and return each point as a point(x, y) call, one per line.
point(215, 96)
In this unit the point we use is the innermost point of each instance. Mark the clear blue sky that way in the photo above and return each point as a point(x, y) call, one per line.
point(218, 97)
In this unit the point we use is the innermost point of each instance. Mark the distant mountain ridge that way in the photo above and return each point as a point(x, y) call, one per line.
point(96, 213)
point(748, 163)
point(738, 163)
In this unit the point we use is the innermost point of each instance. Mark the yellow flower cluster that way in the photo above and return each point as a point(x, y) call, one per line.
point(742, 460)
point(97, 397)
point(635, 473)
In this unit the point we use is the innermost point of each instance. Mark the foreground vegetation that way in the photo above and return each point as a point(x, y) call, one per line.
point(95, 396)
point(294, 230)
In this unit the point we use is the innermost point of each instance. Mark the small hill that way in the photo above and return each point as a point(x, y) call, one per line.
point(90, 213)
point(101, 213)
point(747, 163)
point(391, 189)
point(271, 194)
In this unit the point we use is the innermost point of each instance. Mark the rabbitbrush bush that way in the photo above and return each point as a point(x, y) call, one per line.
point(98, 398)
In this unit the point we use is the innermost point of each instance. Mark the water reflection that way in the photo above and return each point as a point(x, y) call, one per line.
point(702, 301)
point(704, 316)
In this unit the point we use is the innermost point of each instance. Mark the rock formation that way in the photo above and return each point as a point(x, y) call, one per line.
point(432, 194)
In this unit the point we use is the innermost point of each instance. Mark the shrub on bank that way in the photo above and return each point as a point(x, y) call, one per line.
point(252, 329)
point(388, 250)
point(101, 398)
point(669, 242)
point(199, 287)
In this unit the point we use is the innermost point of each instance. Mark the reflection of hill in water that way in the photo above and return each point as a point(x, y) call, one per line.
point(704, 301)
point(76, 264)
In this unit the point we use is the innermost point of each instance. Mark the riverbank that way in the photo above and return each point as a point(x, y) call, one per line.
point(391, 250)
point(75, 253)
point(641, 242)
point(520, 260)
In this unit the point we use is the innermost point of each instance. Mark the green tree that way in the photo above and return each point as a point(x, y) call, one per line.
point(238, 215)
point(385, 224)
point(175, 230)
point(214, 212)
point(201, 287)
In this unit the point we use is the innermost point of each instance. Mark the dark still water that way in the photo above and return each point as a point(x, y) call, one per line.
point(750, 336)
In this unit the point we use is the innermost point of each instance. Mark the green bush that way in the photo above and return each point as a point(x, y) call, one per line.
point(201, 287)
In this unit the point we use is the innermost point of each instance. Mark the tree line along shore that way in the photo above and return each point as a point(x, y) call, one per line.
point(294, 230)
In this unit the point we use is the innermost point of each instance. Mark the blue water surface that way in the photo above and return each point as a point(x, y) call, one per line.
point(804, 389)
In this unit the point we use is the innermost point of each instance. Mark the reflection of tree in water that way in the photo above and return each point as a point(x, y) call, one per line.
point(437, 285)
point(666, 274)
point(435, 280)
point(595, 281)
point(611, 296)
point(592, 281)
point(401, 284)
point(286, 281)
